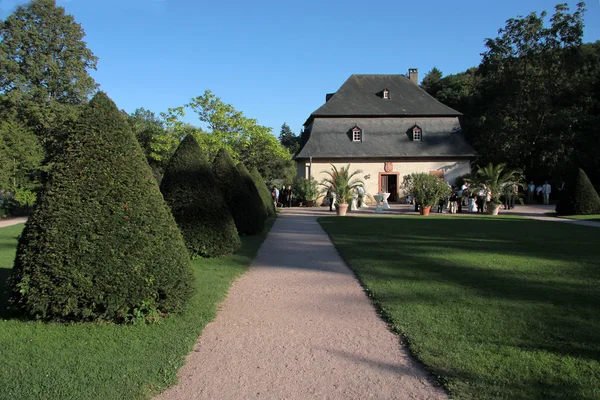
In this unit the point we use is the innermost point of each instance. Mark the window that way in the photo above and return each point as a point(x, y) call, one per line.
point(417, 134)
point(386, 94)
point(356, 134)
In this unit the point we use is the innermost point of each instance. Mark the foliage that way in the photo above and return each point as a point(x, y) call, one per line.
point(101, 244)
point(306, 189)
point(258, 207)
point(288, 139)
point(342, 182)
point(80, 361)
point(237, 195)
point(264, 192)
point(427, 189)
point(579, 196)
point(496, 309)
point(191, 191)
point(431, 78)
point(496, 180)
point(38, 77)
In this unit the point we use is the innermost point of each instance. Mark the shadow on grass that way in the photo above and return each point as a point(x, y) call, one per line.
point(4, 311)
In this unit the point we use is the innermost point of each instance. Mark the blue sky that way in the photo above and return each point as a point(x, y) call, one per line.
point(276, 60)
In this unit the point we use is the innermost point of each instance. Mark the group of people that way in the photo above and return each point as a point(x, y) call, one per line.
point(540, 193)
point(283, 197)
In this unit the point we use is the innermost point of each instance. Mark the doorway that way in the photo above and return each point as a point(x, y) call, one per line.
point(389, 183)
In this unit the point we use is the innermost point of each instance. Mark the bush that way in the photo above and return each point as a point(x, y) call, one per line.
point(263, 191)
point(249, 219)
point(257, 203)
point(192, 192)
point(579, 196)
point(101, 243)
point(427, 189)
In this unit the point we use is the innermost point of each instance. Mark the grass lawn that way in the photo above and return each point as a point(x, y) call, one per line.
point(106, 361)
point(496, 308)
point(589, 217)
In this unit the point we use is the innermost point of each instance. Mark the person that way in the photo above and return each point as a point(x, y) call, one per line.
point(441, 205)
point(538, 194)
point(459, 195)
point(290, 196)
point(453, 202)
point(472, 203)
point(329, 197)
point(530, 192)
point(546, 189)
point(481, 199)
point(362, 197)
point(283, 196)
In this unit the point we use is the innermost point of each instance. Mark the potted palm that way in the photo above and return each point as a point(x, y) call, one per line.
point(343, 184)
point(496, 180)
point(426, 189)
point(310, 189)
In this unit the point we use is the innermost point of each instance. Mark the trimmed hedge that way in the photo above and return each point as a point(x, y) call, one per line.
point(256, 199)
point(102, 243)
point(579, 197)
point(192, 192)
point(263, 191)
point(249, 219)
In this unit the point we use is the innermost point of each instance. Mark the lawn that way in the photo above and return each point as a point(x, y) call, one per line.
point(498, 308)
point(106, 361)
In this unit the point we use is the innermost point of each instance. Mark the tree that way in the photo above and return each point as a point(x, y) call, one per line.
point(44, 65)
point(101, 244)
point(192, 192)
point(497, 181)
point(237, 195)
point(342, 181)
point(255, 198)
point(579, 197)
point(264, 192)
point(288, 139)
point(431, 78)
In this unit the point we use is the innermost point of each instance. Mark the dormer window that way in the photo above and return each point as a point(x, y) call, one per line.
point(386, 94)
point(356, 134)
point(417, 134)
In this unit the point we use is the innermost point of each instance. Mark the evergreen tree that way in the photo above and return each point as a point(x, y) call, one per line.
point(431, 79)
point(288, 139)
point(264, 192)
point(256, 200)
point(192, 192)
point(101, 244)
point(579, 197)
point(248, 220)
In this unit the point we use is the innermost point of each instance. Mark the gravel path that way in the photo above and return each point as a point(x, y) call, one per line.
point(299, 326)
point(12, 221)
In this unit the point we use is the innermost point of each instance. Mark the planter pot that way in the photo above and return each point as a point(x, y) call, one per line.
point(310, 203)
point(493, 208)
point(341, 209)
point(425, 210)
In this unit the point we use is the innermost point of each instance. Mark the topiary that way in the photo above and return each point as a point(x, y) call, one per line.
point(101, 243)
point(248, 218)
point(263, 191)
point(192, 192)
point(579, 196)
point(257, 202)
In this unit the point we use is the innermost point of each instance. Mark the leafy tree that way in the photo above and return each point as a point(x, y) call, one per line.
point(101, 244)
point(579, 197)
point(431, 78)
point(192, 192)
point(264, 192)
point(248, 219)
point(255, 199)
point(44, 65)
point(288, 139)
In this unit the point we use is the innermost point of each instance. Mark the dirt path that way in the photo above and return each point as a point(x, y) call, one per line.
point(299, 326)
point(12, 221)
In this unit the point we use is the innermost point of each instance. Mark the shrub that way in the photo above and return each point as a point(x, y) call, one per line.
point(263, 191)
point(101, 243)
point(427, 189)
point(248, 219)
point(192, 192)
point(579, 196)
point(257, 203)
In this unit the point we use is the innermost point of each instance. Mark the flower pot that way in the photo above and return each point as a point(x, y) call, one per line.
point(341, 209)
point(310, 203)
point(425, 210)
point(493, 208)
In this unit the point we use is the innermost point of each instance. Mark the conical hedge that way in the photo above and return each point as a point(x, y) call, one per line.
point(101, 243)
point(579, 197)
point(248, 219)
point(263, 191)
point(256, 200)
point(192, 192)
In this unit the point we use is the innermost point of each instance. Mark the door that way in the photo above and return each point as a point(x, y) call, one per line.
point(389, 184)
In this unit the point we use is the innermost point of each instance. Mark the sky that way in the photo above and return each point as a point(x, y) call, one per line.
point(276, 60)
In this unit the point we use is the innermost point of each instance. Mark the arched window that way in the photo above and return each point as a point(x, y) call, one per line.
point(417, 134)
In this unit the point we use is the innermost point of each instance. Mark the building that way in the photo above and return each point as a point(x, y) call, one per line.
point(388, 127)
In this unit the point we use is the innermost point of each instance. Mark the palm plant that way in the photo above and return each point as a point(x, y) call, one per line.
point(342, 182)
point(496, 180)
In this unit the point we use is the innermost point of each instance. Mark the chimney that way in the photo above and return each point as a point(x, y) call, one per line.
point(328, 96)
point(413, 75)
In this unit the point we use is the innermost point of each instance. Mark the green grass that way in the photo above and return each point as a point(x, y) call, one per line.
point(589, 217)
point(496, 308)
point(106, 361)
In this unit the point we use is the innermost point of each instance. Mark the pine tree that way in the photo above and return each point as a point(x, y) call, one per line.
point(579, 197)
point(191, 190)
point(264, 192)
point(248, 220)
point(101, 243)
